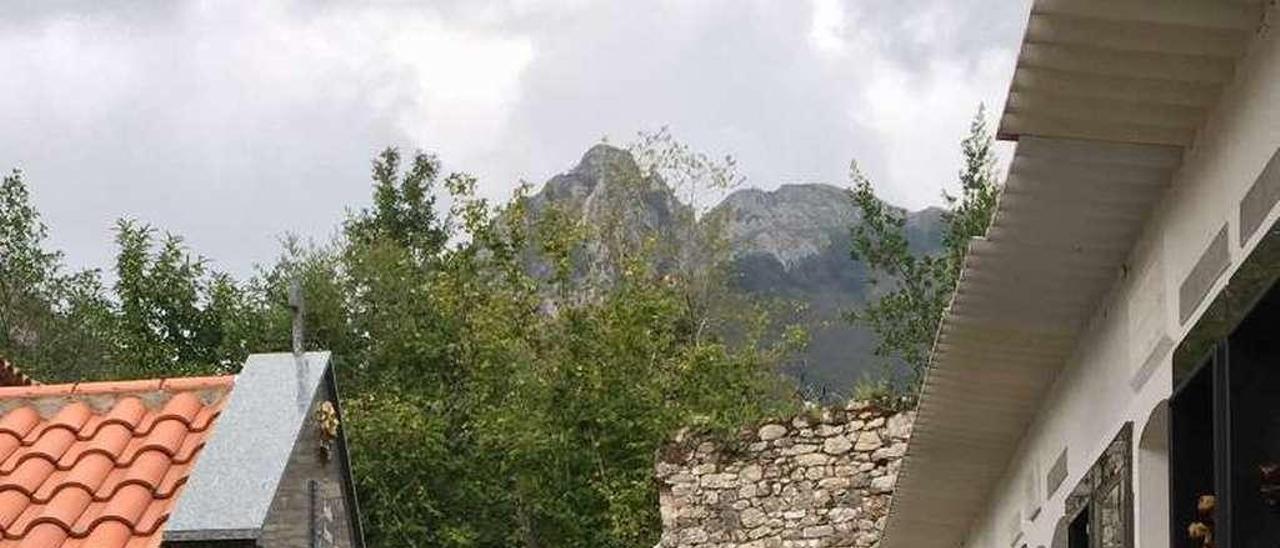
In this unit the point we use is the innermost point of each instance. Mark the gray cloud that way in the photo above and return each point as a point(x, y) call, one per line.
point(237, 123)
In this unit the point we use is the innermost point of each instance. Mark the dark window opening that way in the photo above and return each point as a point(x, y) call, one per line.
point(1254, 427)
point(1225, 439)
point(1078, 533)
point(1191, 461)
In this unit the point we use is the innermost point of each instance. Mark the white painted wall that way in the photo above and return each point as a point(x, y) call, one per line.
point(1103, 386)
point(1151, 494)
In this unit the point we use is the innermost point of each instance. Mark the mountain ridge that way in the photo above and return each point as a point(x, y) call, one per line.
point(791, 243)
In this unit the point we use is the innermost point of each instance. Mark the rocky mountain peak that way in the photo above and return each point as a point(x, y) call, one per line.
point(608, 182)
point(599, 165)
point(792, 242)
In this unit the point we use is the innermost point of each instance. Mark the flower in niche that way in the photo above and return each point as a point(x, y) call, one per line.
point(326, 416)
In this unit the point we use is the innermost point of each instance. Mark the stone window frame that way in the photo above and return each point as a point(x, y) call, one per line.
point(1111, 472)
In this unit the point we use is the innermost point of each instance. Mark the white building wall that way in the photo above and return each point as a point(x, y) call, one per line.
point(1105, 383)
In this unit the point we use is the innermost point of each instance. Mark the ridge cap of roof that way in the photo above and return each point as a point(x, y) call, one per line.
point(117, 387)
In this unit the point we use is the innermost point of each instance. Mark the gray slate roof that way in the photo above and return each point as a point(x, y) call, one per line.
point(236, 475)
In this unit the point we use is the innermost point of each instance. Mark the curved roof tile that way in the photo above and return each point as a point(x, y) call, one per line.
point(100, 464)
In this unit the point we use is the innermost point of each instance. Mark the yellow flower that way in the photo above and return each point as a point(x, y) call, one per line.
point(1198, 531)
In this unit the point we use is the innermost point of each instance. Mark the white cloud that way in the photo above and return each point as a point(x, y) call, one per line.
point(265, 113)
point(917, 109)
point(440, 84)
point(466, 86)
point(233, 122)
point(828, 27)
point(920, 117)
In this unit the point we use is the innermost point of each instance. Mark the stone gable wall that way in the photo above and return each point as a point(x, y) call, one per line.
point(295, 510)
point(821, 479)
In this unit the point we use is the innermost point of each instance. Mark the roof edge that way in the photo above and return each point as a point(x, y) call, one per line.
point(174, 384)
point(212, 534)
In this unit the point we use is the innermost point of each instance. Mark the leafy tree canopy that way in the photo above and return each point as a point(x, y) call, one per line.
point(486, 405)
point(907, 316)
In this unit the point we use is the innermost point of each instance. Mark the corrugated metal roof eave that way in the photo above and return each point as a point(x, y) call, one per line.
point(998, 350)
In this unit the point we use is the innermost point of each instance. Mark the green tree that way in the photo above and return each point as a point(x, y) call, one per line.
point(403, 209)
point(51, 321)
point(907, 316)
point(28, 274)
point(488, 403)
point(174, 315)
point(538, 408)
point(167, 314)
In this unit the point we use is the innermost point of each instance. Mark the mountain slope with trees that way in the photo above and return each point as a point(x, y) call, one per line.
point(788, 246)
point(906, 318)
point(792, 244)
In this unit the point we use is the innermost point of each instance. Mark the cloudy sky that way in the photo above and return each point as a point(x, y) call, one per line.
point(232, 122)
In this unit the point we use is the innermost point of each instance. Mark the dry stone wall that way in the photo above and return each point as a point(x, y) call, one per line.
point(821, 479)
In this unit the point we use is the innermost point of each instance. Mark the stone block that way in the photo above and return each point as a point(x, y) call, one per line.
point(868, 441)
point(770, 432)
point(836, 445)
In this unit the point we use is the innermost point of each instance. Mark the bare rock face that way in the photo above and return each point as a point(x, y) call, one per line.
point(607, 182)
point(791, 224)
point(608, 189)
point(795, 243)
point(794, 483)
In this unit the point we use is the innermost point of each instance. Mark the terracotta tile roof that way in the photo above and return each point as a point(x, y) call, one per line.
point(100, 464)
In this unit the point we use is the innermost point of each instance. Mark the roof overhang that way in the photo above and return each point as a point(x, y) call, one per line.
point(1130, 71)
point(1068, 216)
point(1106, 96)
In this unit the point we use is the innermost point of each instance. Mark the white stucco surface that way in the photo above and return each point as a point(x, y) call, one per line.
point(1104, 384)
